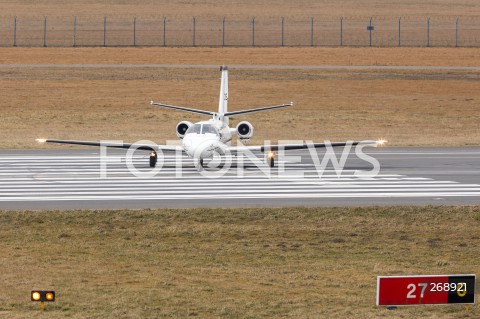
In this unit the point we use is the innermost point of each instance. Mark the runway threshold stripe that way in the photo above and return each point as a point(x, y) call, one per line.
point(237, 191)
point(211, 181)
point(54, 187)
point(251, 196)
point(28, 185)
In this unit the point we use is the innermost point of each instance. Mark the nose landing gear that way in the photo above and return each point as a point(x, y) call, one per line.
point(198, 162)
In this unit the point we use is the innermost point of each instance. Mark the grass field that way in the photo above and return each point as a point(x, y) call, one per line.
point(407, 107)
point(230, 263)
point(243, 8)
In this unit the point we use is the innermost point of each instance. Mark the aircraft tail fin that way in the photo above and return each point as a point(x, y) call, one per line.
point(223, 113)
point(223, 99)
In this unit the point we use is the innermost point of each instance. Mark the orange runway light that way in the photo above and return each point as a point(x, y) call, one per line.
point(42, 296)
point(50, 296)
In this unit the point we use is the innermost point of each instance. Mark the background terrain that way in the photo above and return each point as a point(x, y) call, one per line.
point(109, 97)
point(235, 263)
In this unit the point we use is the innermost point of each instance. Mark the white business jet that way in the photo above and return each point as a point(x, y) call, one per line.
point(206, 139)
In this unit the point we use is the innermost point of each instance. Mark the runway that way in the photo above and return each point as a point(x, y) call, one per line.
point(72, 179)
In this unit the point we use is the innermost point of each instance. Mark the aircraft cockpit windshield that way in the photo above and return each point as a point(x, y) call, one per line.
point(209, 129)
point(202, 129)
point(196, 128)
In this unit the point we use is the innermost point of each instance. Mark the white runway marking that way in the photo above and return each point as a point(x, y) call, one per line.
point(77, 178)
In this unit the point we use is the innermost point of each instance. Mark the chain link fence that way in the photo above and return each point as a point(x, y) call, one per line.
point(444, 31)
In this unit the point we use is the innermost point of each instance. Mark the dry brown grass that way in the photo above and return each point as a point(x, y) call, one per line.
point(248, 263)
point(409, 107)
point(244, 8)
point(255, 56)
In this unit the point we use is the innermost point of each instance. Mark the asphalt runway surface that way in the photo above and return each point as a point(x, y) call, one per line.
point(72, 179)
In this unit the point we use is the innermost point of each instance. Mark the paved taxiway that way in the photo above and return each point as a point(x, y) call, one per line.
point(71, 179)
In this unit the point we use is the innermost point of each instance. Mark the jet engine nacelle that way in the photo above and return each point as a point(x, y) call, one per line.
point(244, 130)
point(182, 128)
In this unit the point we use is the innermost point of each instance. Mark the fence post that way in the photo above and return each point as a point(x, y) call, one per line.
point(164, 33)
point(456, 32)
point(194, 20)
point(399, 34)
point(15, 31)
point(223, 32)
point(104, 31)
point(74, 31)
point(44, 31)
point(311, 31)
point(253, 31)
point(134, 31)
point(428, 32)
point(341, 31)
point(282, 30)
point(370, 31)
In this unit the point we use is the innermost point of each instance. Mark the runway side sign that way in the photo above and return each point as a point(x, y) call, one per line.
point(425, 290)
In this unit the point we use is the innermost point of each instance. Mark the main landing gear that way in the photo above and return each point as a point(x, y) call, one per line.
point(153, 158)
point(271, 159)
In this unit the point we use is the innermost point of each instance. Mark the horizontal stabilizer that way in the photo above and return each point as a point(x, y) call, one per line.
point(181, 108)
point(258, 109)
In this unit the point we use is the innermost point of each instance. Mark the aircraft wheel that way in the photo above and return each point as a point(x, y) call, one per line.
point(271, 161)
point(153, 159)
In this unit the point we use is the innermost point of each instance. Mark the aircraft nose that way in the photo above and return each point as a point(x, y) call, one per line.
point(200, 146)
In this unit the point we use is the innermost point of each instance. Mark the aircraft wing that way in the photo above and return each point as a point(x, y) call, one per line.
point(146, 147)
point(290, 147)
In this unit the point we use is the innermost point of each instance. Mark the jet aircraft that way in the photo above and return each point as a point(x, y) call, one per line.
point(205, 139)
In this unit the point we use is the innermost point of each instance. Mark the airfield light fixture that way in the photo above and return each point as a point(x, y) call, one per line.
point(50, 296)
point(42, 296)
point(35, 296)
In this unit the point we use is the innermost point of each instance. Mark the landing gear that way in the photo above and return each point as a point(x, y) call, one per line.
point(153, 158)
point(198, 162)
point(271, 159)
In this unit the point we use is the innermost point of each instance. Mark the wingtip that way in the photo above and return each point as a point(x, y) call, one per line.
point(151, 102)
point(223, 68)
point(382, 142)
point(41, 140)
